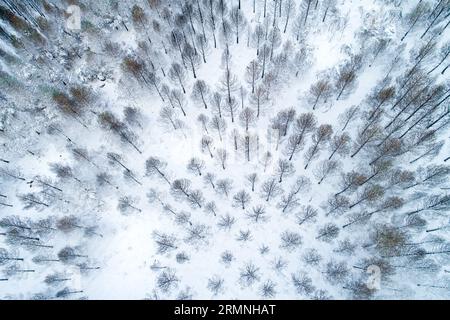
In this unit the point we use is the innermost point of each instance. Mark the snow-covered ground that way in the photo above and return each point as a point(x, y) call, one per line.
point(134, 236)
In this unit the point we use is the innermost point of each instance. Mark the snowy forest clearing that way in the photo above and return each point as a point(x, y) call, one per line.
point(212, 149)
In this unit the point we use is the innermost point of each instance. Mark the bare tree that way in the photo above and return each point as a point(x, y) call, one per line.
point(371, 193)
point(216, 101)
point(200, 92)
point(302, 283)
point(339, 144)
point(325, 169)
point(270, 189)
point(337, 205)
point(252, 74)
point(259, 99)
point(249, 274)
point(347, 116)
point(238, 21)
point(232, 106)
point(284, 169)
point(241, 198)
point(164, 242)
point(304, 125)
point(364, 137)
point(191, 58)
point(319, 92)
point(328, 232)
point(196, 165)
point(127, 203)
point(247, 117)
point(257, 214)
point(155, 166)
point(290, 240)
point(252, 179)
point(417, 14)
point(291, 200)
point(320, 137)
point(308, 214)
point(222, 155)
point(224, 186)
point(219, 125)
point(178, 100)
point(203, 119)
point(346, 75)
point(69, 255)
point(289, 9)
point(177, 75)
point(215, 284)
point(336, 272)
point(206, 143)
point(167, 280)
point(226, 222)
point(210, 179)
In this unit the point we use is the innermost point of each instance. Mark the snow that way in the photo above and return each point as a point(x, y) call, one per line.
point(126, 250)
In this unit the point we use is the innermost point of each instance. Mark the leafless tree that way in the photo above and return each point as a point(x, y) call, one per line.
point(302, 283)
point(241, 198)
point(416, 15)
point(167, 280)
point(371, 193)
point(312, 257)
point(252, 74)
point(320, 137)
point(206, 143)
point(231, 106)
point(270, 189)
point(249, 274)
point(196, 165)
point(308, 214)
point(290, 240)
point(200, 92)
point(177, 75)
point(348, 116)
point(304, 125)
point(203, 119)
point(284, 169)
point(336, 272)
point(325, 169)
point(178, 100)
point(216, 101)
point(328, 232)
point(337, 205)
point(219, 125)
point(346, 75)
point(364, 138)
point(215, 284)
point(226, 222)
point(127, 203)
point(224, 186)
point(319, 92)
point(291, 200)
point(191, 58)
point(222, 155)
point(155, 166)
point(238, 21)
point(247, 117)
point(252, 179)
point(210, 179)
point(164, 242)
point(259, 99)
point(257, 214)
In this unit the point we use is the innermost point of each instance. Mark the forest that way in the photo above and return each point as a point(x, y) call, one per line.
point(224, 149)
